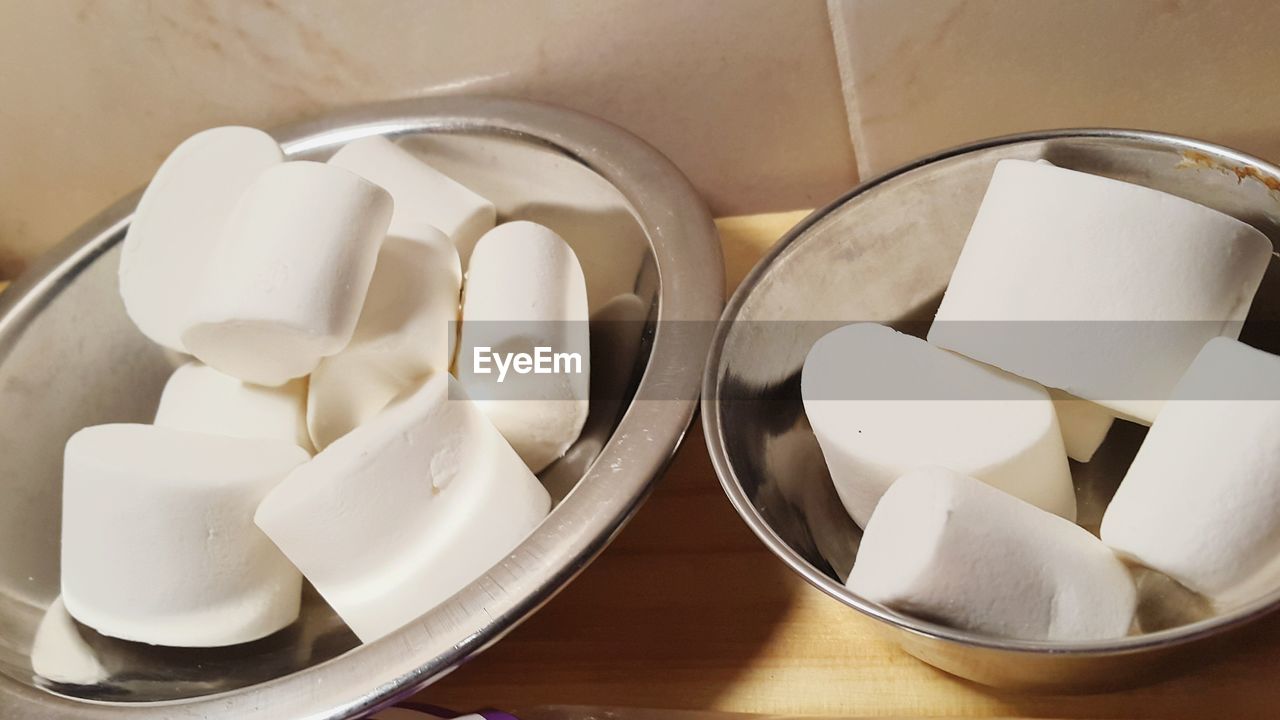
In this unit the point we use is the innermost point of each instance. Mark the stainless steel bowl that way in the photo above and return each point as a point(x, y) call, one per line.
point(884, 253)
point(69, 357)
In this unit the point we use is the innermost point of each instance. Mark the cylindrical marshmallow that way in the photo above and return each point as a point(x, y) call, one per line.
point(1084, 424)
point(526, 296)
point(399, 514)
point(404, 334)
point(948, 548)
point(200, 399)
point(178, 221)
point(289, 274)
point(882, 403)
point(1101, 288)
point(423, 195)
point(158, 541)
point(1201, 501)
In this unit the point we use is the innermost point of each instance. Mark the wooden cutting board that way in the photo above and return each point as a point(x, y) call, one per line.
point(688, 610)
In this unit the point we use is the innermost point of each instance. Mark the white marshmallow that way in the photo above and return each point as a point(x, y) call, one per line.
point(525, 290)
point(882, 403)
point(405, 333)
point(158, 542)
point(1201, 501)
point(424, 196)
point(1102, 288)
point(200, 399)
point(1084, 424)
point(60, 654)
point(530, 181)
point(956, 551)
point(177, 223)
point(399, 514)
point(289, 274)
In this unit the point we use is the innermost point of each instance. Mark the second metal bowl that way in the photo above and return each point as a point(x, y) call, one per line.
point(884, 253)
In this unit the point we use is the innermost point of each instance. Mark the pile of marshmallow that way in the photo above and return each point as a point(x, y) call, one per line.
point(1077, 299)
point(318, 432)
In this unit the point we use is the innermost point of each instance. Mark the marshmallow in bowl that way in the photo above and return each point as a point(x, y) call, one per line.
point(882, 403)
point(158, 540)
point(423, 195)
point(178, 221)
point(1101, 288)
point(404, 334)
point(405, 510)
point(1084, 424)
point(955, 550)
point(1201, 501)
point(289, 274)
point(200, 399)
point(526, 295)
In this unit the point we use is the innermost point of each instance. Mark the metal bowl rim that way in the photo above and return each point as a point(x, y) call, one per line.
point(713, 429)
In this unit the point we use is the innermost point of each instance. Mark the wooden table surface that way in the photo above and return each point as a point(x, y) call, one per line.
point(688, 610)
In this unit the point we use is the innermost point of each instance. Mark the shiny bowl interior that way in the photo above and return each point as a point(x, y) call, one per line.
point(884, 253)
point(69, 357)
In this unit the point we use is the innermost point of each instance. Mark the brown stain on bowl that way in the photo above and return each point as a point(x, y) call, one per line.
point(1197, 159)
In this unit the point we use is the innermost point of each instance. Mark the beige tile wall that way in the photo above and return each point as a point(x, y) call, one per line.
point(923, 75)
point(743, 94)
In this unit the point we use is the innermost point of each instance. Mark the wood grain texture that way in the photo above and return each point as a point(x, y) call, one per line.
point(688, 610)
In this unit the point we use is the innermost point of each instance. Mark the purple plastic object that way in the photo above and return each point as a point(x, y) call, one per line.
point(447, 713)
